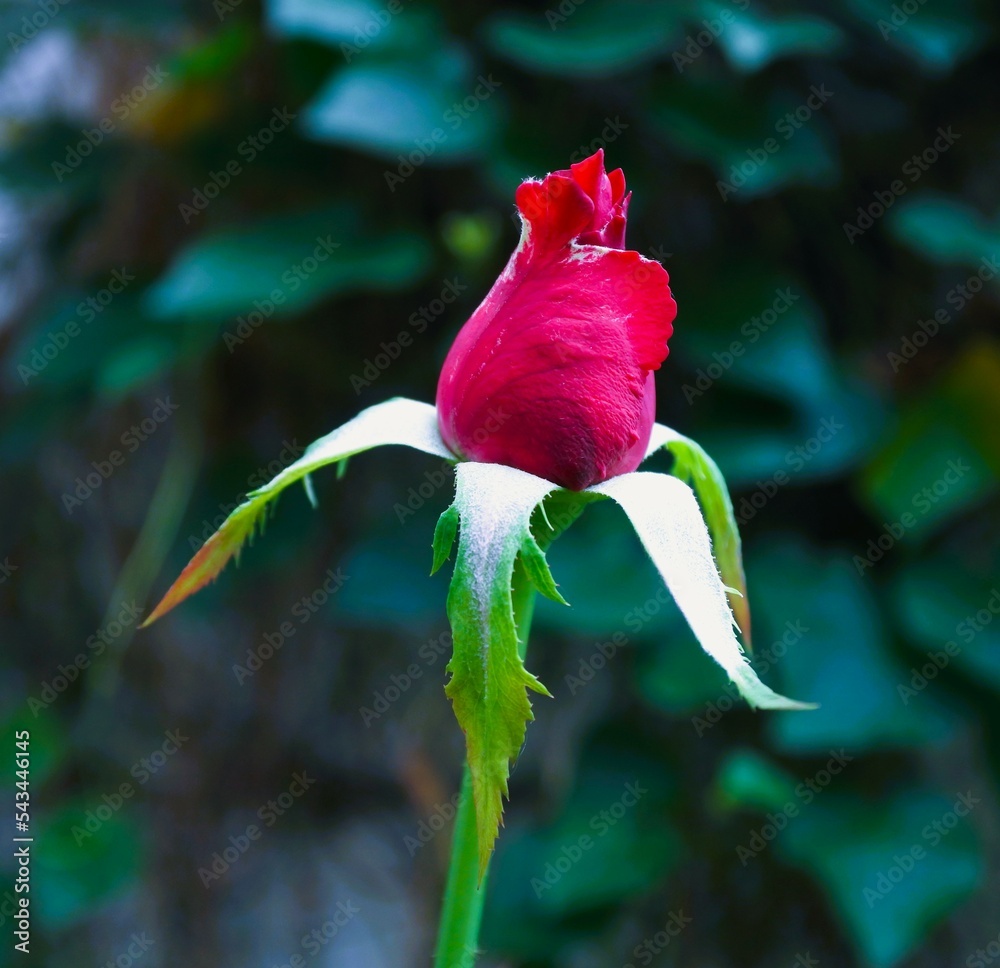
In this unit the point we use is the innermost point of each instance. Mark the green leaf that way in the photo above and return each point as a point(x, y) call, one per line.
point(488, 686)
point(947, 606)
point(936, 42)
point(819, 623)
point(696, 468)
point(710, 123)
point(596, 40)
point(752, 40)
point(432, 108)
point(944, 456)
point(747, 779)
point(945, 229)
point(283, 265)
point(444, 536)
point(327, 21)
point(893, 867)
point(668, 520)
point(397, 421)
point(537, 569)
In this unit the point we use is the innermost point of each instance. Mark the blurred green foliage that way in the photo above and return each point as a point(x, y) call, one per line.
point(275, 213)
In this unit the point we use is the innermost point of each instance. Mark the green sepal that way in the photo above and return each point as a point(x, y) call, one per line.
point(444, 536)
point(397, 421)
point(489, 683)
point(695, 467)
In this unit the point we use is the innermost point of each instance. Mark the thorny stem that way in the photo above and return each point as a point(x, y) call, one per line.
point(462, 913)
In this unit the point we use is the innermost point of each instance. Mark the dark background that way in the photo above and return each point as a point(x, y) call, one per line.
point(869, 544)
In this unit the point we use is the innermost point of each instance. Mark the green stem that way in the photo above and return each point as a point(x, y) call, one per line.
point(462, 913)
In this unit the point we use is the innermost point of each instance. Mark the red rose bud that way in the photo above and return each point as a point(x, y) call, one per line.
point(553, 374)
